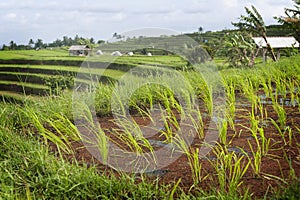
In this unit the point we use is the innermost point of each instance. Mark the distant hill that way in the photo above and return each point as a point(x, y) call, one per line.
point(165, 45)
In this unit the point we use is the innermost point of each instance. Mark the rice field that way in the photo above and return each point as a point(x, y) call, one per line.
point(150, 130)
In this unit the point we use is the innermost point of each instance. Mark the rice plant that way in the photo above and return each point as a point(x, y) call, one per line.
point(230, 169)
point(222, 127)
point(255, 162)
point(59, 139)
point(194, 160)
point(281, 114)
point(231, 101)
point(197, 122)
point(208, 98)
point(286, 132)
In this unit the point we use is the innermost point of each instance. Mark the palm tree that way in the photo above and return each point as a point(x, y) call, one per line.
point(254, 23)
point(12, 45)
point(30, 43)
point(39, 44)
point(200, 29)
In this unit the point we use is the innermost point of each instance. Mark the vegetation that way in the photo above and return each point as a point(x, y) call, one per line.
point(239, 49)
point(30, 171)
point(50, 119)
point(292, 18)
point(39, 44)
point(254, 23)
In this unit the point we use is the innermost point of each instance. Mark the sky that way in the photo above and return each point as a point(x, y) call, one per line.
point(21, 20)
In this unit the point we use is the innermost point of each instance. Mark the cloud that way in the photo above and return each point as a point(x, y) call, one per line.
point(230, 3)
point(100, 19)
point(151, 11)
point(10, 16)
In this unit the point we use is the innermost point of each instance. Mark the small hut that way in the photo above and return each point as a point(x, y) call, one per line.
point(277, 43)
point(79, 50)
point(116, 53)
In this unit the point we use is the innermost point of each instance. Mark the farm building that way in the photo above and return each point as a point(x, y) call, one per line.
point(79, 50)
point(277, 43)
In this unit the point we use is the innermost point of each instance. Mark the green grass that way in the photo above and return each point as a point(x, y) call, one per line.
point(29, 171)
point(8, 96)
point(58, 68)
point(37, 71)
point(171, 61)
point(23, 84)
point(38, 55)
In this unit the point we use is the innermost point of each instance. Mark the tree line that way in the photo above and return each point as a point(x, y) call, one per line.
point(38, 44)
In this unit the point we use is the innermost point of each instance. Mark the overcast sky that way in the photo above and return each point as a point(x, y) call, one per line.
point(52, 19)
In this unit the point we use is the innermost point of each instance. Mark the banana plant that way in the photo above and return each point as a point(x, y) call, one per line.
point(254, 23)
point(239, 49)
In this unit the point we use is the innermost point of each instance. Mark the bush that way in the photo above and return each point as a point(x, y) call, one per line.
point(59, 83)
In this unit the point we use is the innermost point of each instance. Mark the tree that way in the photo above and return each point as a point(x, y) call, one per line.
point(100, 42)
point(117, 36)
point(200, 29)
point(76, 39)
point(254, 23)
point(5, 48)
point(30, 43)
point(292, 18)
point(88, 43)
point(39, 43)
point(92, 40)
point(239, 49)
point(12, 45)
point(57, 43)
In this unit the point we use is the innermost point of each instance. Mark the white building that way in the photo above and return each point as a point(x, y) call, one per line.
point(277, 43)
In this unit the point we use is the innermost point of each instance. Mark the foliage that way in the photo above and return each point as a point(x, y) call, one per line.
point(88, 42)
point(254, 23)
point(58, 83)
point(65, 41)
point(239, 49)
point(292, 18)
point(288, 192)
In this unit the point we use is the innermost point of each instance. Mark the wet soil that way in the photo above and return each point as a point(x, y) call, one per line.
point(277, 165)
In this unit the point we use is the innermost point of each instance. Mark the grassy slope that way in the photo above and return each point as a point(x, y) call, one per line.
point(56, 69)
point(30, 74)
point(34, 55)
point(63, 55)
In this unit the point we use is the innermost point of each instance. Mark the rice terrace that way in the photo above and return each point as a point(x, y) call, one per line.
point(203, 115)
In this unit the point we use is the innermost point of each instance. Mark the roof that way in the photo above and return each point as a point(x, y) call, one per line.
point(78, 47)
point(277, 42)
